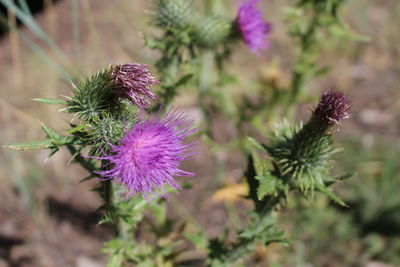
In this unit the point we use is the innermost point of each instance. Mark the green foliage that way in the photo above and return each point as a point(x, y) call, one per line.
point(261, 230)
point(53, 141)
point(366, 230)
point(311, 23)
point(322, 237)
point(50, 101)
point(40, 144)
point(270, 185)
point(373, 198)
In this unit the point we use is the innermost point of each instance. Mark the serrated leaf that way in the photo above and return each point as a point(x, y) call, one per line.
point(269, 185)
point(255, 143)
point(331, 195)
point(53, 151)
point(41, 144)
point(336, 179)
point(51, 134)
point(55, 138)
point(78, 128)
point(344, 176)
point(50, 101)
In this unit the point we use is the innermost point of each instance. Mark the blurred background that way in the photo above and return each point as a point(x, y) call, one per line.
point(48, 218)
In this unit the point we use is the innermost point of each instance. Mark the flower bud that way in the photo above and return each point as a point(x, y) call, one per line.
point(211, 31)
point(303, 153)
point(173, 13)
point(107, 131)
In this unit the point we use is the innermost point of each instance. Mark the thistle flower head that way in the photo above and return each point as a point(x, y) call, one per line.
point(332, 107)
point(148, 156)
point(133, 81)
point(253, 28)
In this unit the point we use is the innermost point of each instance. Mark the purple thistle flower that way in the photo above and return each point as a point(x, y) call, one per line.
point(148, 156)
point(254, 29)
point(133, 82)
point(332, 107)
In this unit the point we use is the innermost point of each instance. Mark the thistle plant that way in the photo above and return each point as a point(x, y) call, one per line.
point(133, 154)
point(130, 139)
point(301, 158)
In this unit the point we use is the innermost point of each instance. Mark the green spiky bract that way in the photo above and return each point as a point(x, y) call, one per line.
point(209, 32)
point(302, 154)
point(92, 97)
point(109, 130)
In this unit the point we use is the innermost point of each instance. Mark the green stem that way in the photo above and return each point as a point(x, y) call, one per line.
point(170, 78)
point(307, 48)
point(123, 229)
point(207, 64)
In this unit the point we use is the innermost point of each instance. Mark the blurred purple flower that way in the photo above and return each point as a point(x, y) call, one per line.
point(254, 29)
point(149, 155)
point(133, 82)
point(332, 107)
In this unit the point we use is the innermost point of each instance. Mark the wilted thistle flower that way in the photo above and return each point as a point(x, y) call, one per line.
point(332, 107)
point(253, 28)
point(148, 156)
point(133, 82)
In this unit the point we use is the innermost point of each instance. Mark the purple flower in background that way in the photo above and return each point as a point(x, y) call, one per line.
point(332, 107)
point(149, 155)
point(133, 82)
point(254, 29)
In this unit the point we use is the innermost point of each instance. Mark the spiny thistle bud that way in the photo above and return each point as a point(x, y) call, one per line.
point(101, 93)
point(211, 31)
point(303, 153)
point(107, 131)
point(92, 96)
point(133, 82)
point(173, 13)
